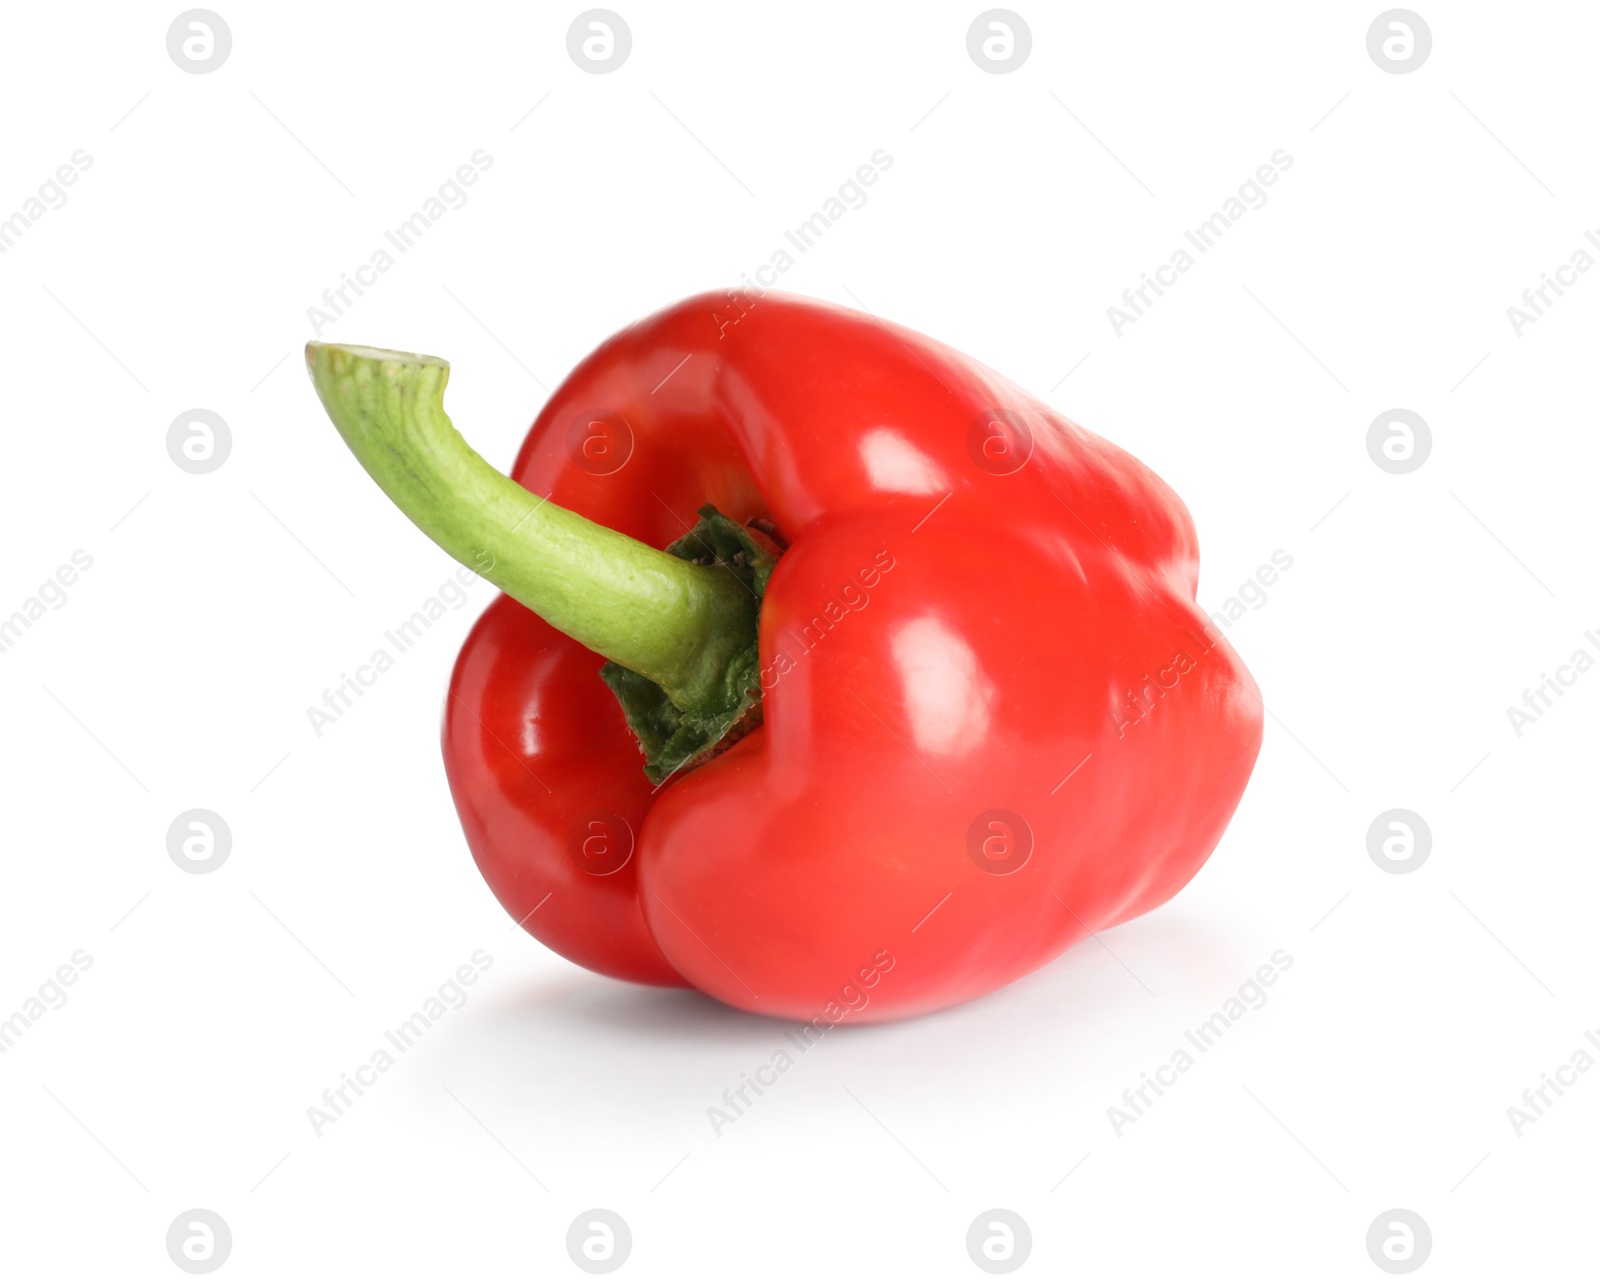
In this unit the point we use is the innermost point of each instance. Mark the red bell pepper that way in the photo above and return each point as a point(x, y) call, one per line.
point(924, 701)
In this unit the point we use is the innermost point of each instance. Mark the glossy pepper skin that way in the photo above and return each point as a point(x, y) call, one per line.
point(964, 622)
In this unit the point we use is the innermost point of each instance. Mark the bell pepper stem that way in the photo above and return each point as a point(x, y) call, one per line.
point(680, 624)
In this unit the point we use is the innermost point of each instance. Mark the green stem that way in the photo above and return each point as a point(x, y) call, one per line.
point(679, 624)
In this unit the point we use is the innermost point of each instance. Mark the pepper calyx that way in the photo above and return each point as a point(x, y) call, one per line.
point(675, 739)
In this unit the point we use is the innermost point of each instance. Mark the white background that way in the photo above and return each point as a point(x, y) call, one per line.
point(178, 274)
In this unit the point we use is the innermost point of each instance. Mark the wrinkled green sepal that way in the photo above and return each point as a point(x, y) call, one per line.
point(673, 740)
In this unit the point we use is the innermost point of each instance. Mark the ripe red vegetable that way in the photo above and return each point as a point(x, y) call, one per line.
point(988, 716)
